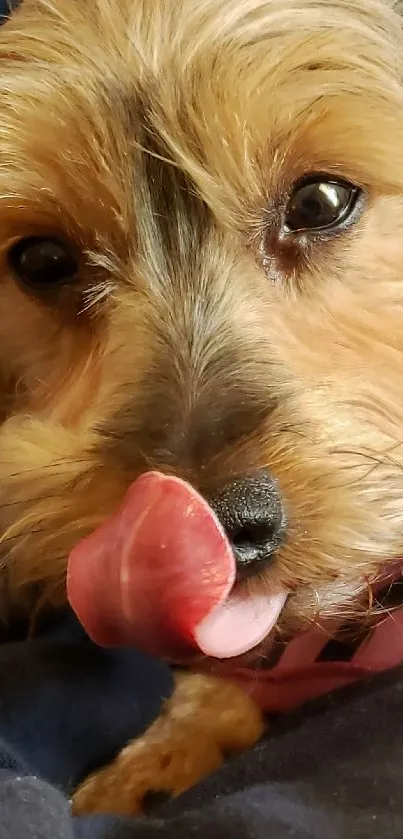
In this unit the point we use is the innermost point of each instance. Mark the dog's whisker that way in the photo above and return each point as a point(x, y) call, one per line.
point(55, 464)
point(38, 499)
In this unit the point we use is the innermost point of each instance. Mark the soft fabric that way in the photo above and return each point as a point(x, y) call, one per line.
point(332, 771)
point(31, 808)
point(66, 707)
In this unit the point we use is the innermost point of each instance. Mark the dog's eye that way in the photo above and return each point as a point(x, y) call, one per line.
point(43, 263)
point(320, 204)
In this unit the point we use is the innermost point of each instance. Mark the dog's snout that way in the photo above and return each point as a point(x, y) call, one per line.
point(252, 512)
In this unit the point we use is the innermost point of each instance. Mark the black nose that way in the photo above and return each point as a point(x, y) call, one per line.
point(252, 513)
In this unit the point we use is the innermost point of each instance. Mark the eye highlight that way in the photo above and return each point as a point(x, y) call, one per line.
point(43, 263)
point(321, 203)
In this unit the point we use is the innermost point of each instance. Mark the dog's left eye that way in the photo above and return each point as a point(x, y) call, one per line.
point(320, 204)
point(43, 263)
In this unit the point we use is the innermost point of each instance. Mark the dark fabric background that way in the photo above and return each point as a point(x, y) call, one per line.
point(332, 771)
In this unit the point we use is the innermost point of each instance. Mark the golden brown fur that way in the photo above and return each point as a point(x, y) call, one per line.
point(159, 139)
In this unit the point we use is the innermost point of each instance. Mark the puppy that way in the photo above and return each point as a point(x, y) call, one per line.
point(201, 249)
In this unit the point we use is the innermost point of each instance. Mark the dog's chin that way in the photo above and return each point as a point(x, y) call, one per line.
point(264, 656)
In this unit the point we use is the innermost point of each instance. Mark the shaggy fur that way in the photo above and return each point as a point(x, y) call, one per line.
point(162, 140)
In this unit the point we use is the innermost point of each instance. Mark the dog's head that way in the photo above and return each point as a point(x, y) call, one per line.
point(201, 216)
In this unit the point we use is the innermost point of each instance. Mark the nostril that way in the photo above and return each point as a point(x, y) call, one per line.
point(253, 545)
point(252, 514)
point(246, 537)
point(251, 537)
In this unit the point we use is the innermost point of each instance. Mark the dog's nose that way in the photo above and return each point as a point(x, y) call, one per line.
point(252, 513)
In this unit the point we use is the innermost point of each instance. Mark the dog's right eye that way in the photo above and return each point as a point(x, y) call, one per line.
point(43, 263)
point(321, 203)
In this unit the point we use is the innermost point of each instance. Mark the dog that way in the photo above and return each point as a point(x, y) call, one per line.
point(201, 212)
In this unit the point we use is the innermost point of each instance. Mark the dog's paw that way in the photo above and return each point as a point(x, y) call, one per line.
point(205, 720)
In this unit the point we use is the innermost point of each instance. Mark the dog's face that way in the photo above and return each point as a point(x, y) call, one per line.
point(201, 247)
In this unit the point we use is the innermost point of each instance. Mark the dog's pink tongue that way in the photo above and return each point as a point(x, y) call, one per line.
point(159, 576)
